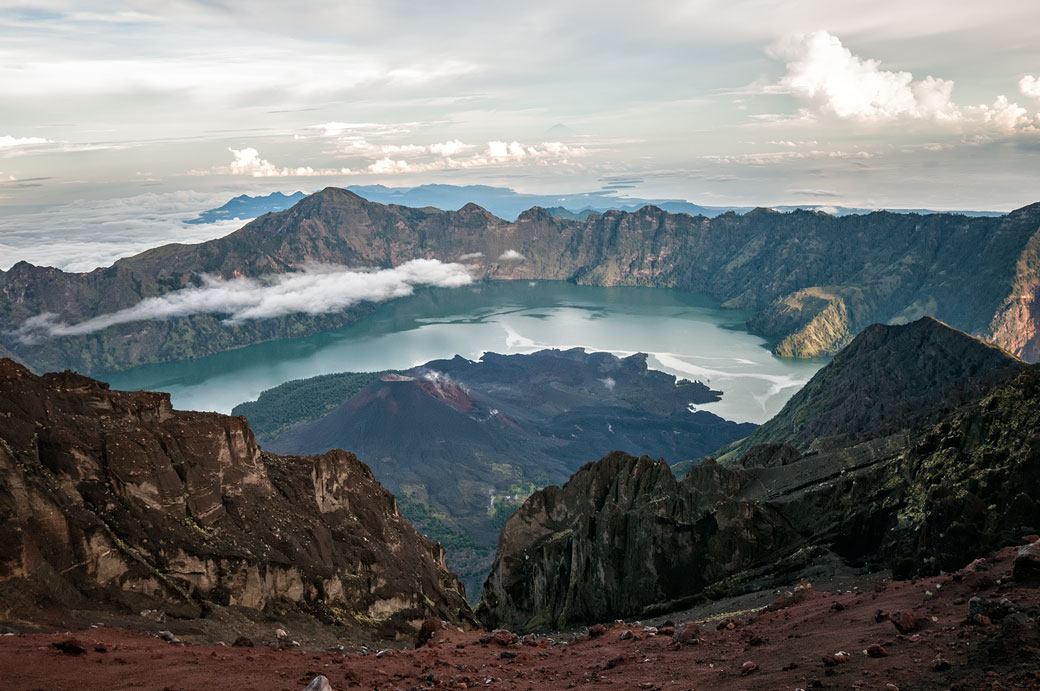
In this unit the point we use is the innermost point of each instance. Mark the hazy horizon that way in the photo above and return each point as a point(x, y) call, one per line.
point(86, 234)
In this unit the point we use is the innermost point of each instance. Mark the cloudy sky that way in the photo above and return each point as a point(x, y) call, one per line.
point(860, 102)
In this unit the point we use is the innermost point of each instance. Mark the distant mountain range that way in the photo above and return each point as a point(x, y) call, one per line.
point(811, 281)
point(509, 204)
point(461, 443)
point(244, 207)
point(914, 451)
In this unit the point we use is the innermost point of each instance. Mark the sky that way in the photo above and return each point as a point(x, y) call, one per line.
point(113, 113)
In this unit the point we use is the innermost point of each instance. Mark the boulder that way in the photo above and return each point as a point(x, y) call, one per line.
point(904, 620)
point(686, 634)
point(427, 631)
point(70, 646)
point(876, 650)
point(319, 683)
point(1026, 567)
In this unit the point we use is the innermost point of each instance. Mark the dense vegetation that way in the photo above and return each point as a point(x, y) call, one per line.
point(466, 559)
point(301, 400)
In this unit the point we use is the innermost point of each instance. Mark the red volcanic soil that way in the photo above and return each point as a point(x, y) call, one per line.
point(795, 646)
point(448, 391)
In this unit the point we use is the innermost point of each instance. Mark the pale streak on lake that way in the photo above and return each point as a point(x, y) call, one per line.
point(685, 334)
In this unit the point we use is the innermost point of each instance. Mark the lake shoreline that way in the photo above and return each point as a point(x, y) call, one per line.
point(686, 334)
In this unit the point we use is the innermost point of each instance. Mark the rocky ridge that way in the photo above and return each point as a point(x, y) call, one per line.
point(114, 503)
point(624, 538)
point(811, 280)
point(888, 379)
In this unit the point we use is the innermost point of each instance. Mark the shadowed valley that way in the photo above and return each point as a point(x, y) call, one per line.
point(462, 443)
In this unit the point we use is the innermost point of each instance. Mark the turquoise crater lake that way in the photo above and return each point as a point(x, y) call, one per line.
point(685, 334)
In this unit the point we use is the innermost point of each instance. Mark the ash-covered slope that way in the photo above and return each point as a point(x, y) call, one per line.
point(114, 502)
point(812, 280)
point(461, 443)
point(928, 494)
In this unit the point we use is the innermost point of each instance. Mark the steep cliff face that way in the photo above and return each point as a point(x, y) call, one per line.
point(815, 320)
point(621, 535)
point(1016, 326)
point(926, 494)
point(114, 501)
point(812, 279)
point(929, 499)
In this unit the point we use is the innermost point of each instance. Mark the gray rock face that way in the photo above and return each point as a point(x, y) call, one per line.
point(1027, 564)
point(319, 683)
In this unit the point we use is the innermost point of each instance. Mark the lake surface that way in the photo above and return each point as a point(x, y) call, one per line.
point(685, 334)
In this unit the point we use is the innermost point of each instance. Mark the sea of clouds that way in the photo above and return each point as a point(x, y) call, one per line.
point(84, 235)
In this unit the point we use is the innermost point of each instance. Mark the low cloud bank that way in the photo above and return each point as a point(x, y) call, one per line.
point(83, 235)
point(318, 289)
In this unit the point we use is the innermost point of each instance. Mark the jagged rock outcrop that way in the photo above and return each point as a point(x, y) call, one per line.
point(810, 279)
point(623, 534)
point(944, 471)
point(114, 501)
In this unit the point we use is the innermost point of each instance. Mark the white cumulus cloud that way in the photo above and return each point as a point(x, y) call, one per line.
point(247, 161)
point(1003, 116)
point(390, 159)
point(9, 142)
point(821, 69)
point(318, 289)
point(385, 166)
point(503, 150)
point(451, 148)
point(510, 256)
point(1029, 86)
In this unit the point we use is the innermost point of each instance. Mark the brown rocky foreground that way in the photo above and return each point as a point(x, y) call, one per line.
point(113, 504)
point(973, 629)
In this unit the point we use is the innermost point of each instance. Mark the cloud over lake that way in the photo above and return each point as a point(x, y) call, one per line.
point(317, 289)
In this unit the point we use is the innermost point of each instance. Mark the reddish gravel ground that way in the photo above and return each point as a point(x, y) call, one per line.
point(754, 649)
